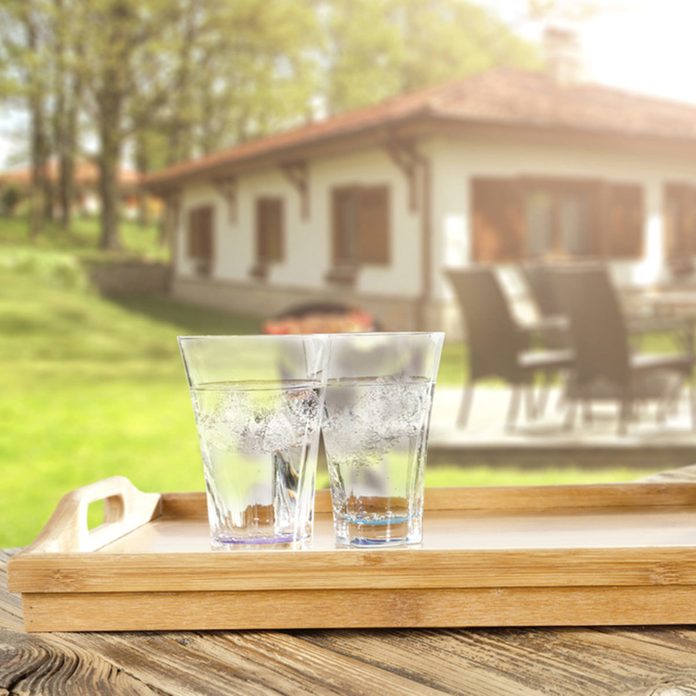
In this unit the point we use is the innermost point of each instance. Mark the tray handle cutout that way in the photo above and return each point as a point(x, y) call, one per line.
point(125, 508)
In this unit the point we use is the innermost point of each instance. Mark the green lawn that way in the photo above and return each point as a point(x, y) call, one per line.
point(93, 387)
point(81, 238)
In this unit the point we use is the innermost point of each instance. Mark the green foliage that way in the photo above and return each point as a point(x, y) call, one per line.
point(53, 268)
point(379, 48)
point(10, 196)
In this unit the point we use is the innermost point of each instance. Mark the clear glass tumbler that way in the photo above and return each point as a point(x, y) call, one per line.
point(258, 402)
point(377, 413)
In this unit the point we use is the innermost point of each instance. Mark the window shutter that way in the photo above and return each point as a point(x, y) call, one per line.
point(270, 224)
point(498, 220)
point(623, 221)
point(373, 225)
point(200, 234)
point(193, 234)
point(680, 219)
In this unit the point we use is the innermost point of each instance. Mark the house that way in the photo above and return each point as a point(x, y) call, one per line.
point(369, 207)
point(86, 200)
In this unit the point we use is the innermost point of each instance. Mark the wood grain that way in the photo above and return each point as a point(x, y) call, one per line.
point(656, 492)
point(183, 663)
point(567, 536)
point(640, 661)
point(463, 569)
point(517, 606)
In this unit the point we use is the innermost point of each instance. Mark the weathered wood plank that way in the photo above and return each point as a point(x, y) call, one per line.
point(567, 662)
point(248, 663)
point(29, 665)
point(10, 604)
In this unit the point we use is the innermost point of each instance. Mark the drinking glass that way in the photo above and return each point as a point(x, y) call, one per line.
point(377, 413)
point(258, 402)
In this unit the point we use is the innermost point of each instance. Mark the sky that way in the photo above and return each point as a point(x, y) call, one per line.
point(644, 46)
point(640, 45)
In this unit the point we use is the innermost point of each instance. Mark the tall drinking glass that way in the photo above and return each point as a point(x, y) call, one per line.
point(258, 402)
point(377, 414)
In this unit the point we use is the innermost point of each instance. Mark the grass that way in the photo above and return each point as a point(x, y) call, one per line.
point(81, 239)
point(93, 387)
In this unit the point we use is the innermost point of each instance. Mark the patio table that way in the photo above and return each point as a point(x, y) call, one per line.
point(660, 661)
point(680, 305)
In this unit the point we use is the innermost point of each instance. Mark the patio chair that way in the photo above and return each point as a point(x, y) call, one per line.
point(553, 327)
point(605, 366)
point(498, 346)
point(538, 278)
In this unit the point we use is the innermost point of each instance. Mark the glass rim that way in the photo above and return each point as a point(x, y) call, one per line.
point(383, 333)
point(196, 337)
point(310, 335)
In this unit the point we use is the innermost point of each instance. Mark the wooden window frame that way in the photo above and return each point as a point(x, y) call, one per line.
point(678, 242)
point(344, 269)
point(267, 251)
point(603, 197)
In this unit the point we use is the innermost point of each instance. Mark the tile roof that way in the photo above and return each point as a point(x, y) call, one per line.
point(86, 173)
point(504, 96)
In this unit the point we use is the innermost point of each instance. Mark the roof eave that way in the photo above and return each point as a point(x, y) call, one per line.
point(326, 144)
point(440, 124)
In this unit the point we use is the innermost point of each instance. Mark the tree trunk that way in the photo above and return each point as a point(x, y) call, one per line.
point(142, 167)
point(66, 89)
point(37, 127)
point(66, 181)
point(37, 207)
point(110, 105)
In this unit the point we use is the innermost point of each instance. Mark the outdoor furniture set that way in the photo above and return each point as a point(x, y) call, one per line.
point(586, 343)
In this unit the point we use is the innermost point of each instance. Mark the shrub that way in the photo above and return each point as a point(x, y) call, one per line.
point(61, 269)
point(10, 196)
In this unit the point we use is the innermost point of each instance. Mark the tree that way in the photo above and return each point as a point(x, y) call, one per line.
point(379, 48)
point(23, 34)
point(67, 100)
point(116, 34)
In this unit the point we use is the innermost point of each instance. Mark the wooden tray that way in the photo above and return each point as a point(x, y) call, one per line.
point(546, 556)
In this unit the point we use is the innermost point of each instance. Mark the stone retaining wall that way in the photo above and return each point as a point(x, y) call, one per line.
point(129, 277)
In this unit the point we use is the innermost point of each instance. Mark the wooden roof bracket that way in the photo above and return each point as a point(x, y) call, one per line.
point(227, 188)
point(407, 159)
point(297, 173)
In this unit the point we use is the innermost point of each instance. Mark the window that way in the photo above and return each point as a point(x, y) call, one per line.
point(680, 220)
point(529, 217)
point(270, 233)
point(200, 239)
point(360, 226)
point(498, 220)
point(623, 221)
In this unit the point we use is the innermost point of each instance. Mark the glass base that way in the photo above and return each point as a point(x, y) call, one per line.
point(378, 533)
point(267, 542)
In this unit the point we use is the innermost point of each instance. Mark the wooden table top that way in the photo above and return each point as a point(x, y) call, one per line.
point(655, 661)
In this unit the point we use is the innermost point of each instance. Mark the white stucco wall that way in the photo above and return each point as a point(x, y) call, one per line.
point(457, 160)
point(308, 242)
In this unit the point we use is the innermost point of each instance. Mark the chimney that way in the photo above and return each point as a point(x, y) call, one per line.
point(563, 58)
